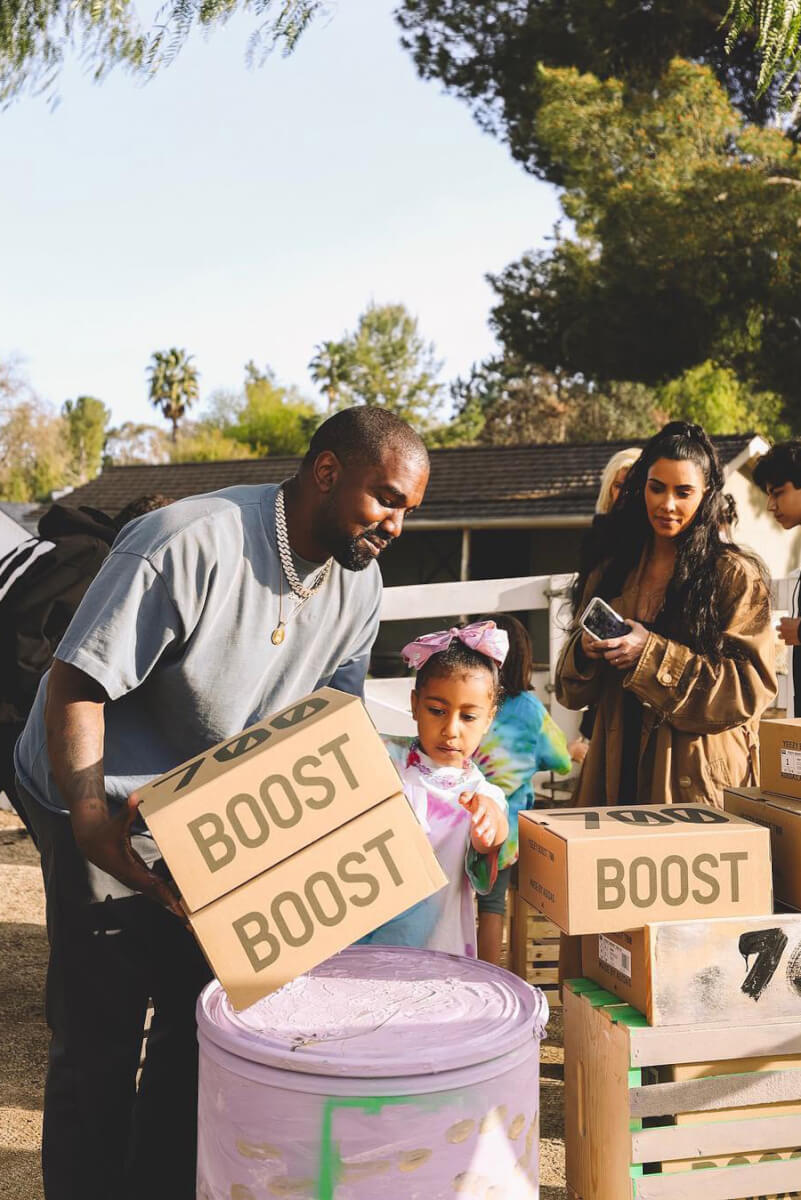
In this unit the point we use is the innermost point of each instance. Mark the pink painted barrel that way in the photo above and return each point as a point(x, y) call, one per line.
point(384, 1074)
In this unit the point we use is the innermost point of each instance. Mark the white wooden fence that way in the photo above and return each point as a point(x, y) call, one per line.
point(388, 699)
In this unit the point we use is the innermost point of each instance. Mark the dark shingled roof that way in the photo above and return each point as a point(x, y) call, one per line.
point(503, 483)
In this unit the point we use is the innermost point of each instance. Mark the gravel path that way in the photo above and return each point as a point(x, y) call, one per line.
point(23, 1034)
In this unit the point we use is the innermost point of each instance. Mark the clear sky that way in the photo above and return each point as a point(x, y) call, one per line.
point(250, 213)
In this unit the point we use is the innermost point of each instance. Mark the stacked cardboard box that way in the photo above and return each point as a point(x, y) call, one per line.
point(776, 804)
point(710, 1111)
point(289, 842)
point(600, 870)
point(678, 958)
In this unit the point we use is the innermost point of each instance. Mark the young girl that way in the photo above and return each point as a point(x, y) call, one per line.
point(454, 700)
point(523, 739)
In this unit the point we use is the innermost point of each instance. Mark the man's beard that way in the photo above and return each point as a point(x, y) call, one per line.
point(354, 553)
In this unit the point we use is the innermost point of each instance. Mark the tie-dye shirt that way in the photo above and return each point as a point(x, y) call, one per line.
point(446, 920)
point(522, 739)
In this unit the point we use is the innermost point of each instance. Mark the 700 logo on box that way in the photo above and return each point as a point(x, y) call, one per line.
point(252, 801)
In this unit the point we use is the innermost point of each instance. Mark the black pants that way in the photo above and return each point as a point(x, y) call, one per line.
point(112, 950)
point(9, 732)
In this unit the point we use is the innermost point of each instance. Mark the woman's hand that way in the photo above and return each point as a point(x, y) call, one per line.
point(591, 646)
point(489, 826)
point(788, 630)
point(624, 652)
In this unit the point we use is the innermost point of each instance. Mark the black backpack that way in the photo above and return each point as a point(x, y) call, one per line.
point(42, 582)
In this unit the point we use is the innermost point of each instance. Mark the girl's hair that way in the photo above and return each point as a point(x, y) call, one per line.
point(515, 674)
point(456, 660)
point(696, 597)
point(624, 458)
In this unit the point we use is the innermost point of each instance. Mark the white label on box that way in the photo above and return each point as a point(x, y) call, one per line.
point(791, 764)
point(614, 956)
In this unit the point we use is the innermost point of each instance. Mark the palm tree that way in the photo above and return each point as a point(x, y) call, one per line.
point(330, 369)
point(173, 384)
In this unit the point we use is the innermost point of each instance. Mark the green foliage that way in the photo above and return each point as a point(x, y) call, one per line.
point(173, 384)
point(34, 452)
point(265, 418)
point(778, 26)
point(86, 419)
point(329, 368)
point(386, 362)
point(714, 397)
point(488, 55)
point(506, 402)
point(134, 443)
point(37, 35)
point(687, 246)
point(683, 190)
point(207, 444)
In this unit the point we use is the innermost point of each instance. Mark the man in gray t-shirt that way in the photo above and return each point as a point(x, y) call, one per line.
point(205, 617)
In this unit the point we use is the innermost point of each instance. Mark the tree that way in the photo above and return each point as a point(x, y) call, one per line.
point(35, 35)
point(34, 454)
point(86, 419)
point(207, 444)
point(506, 402)
point(778, 26)
point(386, 362)
point(273, 419)
point(133, 443)
point(264, 418)
point(329, 368)
point(686, 248)
point(173, 384)
point(714, 397)
point(488, 54)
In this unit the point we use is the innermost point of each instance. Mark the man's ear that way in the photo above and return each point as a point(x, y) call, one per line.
point(327, 470)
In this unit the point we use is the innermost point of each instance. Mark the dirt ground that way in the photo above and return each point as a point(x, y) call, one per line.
point(23, 1034)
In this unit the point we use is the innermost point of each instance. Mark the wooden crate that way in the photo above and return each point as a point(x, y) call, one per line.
point(628, 1134)
point(534, 948)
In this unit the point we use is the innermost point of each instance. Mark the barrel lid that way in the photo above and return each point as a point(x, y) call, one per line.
point(380, 1011)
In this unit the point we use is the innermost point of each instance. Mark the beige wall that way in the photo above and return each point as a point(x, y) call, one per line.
point(780, 549)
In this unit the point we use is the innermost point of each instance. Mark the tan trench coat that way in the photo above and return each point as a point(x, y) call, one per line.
point(700, 723)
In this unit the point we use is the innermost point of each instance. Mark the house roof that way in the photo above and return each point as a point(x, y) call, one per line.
point(507, 486)
point(21, 512)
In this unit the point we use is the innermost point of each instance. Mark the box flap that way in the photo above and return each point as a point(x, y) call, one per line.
point(596, 824)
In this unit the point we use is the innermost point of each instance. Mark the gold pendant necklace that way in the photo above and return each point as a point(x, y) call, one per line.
point(279, 633)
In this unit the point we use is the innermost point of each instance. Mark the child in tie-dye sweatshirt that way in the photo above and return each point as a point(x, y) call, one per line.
point(522, 740)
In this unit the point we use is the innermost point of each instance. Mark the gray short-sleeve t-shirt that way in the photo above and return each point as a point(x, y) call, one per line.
point(176, 628)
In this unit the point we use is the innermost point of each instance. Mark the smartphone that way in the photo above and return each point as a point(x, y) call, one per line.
point(602, 622)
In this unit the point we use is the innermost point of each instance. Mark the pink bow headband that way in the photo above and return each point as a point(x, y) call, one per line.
point(482, 636)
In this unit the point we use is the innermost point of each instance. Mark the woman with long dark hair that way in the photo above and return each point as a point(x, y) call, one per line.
point(679, 696)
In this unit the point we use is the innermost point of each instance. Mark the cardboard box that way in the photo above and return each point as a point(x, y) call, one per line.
point(691, 973)
point(780, 756)
point(600, 870)
point(619, 962)
point(320, 900)
point(289, 842)
point(254, 799)
point(782, 817)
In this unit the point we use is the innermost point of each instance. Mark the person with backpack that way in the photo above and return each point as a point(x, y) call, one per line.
point(42, 582)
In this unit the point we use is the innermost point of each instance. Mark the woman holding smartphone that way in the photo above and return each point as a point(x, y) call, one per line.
point(679, 696)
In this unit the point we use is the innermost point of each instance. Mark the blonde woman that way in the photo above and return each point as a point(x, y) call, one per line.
point(613, 478)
